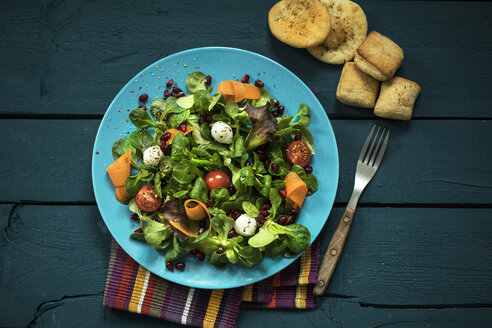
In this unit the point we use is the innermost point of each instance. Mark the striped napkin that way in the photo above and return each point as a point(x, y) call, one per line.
point(131, 287)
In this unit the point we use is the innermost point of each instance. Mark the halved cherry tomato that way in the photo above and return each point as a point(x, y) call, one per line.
point(298, 153)
point(147, 200)
point(217, 179)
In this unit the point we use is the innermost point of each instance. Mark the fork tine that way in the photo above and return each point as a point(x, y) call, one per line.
point(371, 161)
point(369, 152)
point(366, 143)
point(381, 153)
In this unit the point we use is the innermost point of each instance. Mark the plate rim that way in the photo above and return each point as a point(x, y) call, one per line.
point(219, 48)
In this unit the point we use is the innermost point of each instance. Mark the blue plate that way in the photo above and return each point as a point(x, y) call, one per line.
point(222, 64)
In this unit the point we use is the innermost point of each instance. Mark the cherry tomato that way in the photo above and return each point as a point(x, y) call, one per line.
point(298, 153)
point(217, 179)
point(147, 200)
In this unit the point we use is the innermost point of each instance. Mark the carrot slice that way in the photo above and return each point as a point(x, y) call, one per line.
point(194, 214)
point(198, 212)
point(118, 172)
point(174, 132)
point(296, 190)
point(237, 91)
point(178, 226)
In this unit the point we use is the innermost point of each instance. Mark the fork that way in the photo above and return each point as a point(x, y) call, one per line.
point(367, 165)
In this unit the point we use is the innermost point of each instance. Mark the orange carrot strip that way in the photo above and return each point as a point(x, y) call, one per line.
point(198, 212)
point(237, 91)
point(296, 190)
point(174, 132)
point(118, 171)
point(182, 228)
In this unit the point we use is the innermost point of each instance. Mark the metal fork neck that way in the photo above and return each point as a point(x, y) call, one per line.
point(354, 199)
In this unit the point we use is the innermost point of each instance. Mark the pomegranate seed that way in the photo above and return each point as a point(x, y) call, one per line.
point(264, 212)
point(267, 164)
point(294, 211)
point(247, 163)
point(142, 107)
point(201, 120)
point(167, 94)
point(220, 250)
point(236, 214)
point(231, 190)
point(180, 94)
point(143, 97)
point(261, 156)
point(280, 110)
point(194, 251)
point(202, 230)
point(208, 80)
point(229, 215)
point(264, 146)
point(231, 233)
point(182, 127)
point(180, 266)
point(275, 167)
point(261, 151)
point(170, 266)
point(163, 146)
point(308, 169)
point(165, 137)
point(282, 220)
point(245, 78)
point(135, 217)
point(276, 102)
point(202, 223)
point(298, 136)
point(259, 84)
point(208, 118)
point(238, 165)
point(289, 220)
point(139, 230)
point(282, 192)
point(261, 219)
point(275, 113)
point(266, 206)
point(176, 90)
point(210, 202)
point(200, 255)
point(169, 83)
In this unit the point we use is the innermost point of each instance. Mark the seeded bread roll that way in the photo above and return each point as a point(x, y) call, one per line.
point(299, 23)
point(356, 88)
point(348, 30)
point(378, 56)
point(397, 98)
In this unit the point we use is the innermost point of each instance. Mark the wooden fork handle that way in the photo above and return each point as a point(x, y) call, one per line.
point(334, 252)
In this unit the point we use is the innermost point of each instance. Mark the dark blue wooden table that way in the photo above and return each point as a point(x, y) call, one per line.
point(420, 250)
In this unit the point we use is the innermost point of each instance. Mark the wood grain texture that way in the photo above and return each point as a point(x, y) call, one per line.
point(393, 258)
point(73, 57)
point(331, 312)
point(49, 252)
point(49, 160)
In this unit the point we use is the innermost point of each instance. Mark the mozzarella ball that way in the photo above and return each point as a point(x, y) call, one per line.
point(152, 155)
point(245, 225)
point(222, 132)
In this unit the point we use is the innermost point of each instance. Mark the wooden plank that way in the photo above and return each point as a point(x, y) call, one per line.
point(331, 312)
point(418, 258)
point(49, 252)
point(73, 57)
point(427, 161)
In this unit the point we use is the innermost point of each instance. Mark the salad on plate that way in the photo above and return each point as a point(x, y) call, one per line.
point(221, 175)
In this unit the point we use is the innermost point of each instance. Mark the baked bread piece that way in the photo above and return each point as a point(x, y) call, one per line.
point(378, 56)
point(356, 88)
point(348, 30)
point(397, 98)
point(299, 23)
